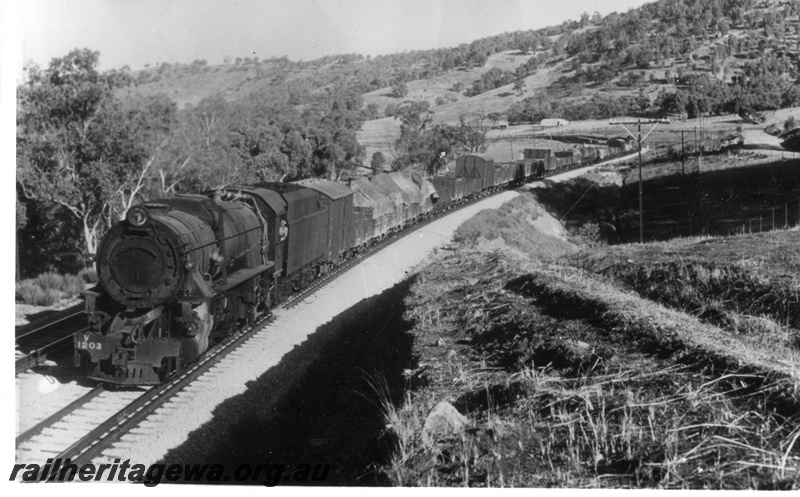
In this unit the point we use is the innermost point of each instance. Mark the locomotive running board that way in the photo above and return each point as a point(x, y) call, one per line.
point(243, 275)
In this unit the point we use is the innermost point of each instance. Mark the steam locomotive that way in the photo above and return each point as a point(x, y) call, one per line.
point(181, 272)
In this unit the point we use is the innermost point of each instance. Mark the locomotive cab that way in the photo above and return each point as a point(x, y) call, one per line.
point(272, 207)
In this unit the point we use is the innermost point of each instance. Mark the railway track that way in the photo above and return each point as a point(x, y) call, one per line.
point(57, 416)
point(55, 434)
point(89, 426)
point(35, 343)
point(93, 422)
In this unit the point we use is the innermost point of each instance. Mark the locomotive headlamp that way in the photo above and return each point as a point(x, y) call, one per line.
point(137, 216)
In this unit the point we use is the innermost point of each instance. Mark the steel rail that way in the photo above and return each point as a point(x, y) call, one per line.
point(37, 327)
point(32, 357)
point(58, 416)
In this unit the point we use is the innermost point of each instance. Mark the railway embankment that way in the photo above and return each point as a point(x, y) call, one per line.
point(600, 368)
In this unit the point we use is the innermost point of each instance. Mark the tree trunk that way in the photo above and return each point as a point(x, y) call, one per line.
point(16, 257)
point(90, 236)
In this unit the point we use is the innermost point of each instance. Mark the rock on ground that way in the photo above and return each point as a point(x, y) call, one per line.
point(443, 420)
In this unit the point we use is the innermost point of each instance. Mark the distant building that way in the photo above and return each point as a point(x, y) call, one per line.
point(551, 123)
point(500, 124)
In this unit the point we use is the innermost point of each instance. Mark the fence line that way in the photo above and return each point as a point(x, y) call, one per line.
point(779, 216)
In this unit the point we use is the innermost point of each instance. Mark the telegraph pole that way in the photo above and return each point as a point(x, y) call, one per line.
point(702, 144)
point(684, 189)
point(639, 139)
point(683, 157)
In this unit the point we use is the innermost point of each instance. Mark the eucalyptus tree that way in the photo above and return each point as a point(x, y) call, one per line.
point(82, 148)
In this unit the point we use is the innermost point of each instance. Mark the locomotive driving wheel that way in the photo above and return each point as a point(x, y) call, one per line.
point(261, 305)
point(198, 332)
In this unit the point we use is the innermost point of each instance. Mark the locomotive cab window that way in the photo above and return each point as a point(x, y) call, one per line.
point(283, 231)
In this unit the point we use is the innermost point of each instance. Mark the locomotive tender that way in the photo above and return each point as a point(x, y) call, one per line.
point(181, 272)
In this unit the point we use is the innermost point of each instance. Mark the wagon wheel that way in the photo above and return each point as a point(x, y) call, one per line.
point(287, 288)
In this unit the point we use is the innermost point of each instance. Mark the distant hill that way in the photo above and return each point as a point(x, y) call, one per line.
point(666, 57)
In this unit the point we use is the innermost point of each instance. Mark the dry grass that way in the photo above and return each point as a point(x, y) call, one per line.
point(571, 382)
point(660, 328)
point(748, 284)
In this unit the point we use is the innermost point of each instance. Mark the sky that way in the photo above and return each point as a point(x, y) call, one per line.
point(140, 32)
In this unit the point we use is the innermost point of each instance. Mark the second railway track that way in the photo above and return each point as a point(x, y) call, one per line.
point(33, 343)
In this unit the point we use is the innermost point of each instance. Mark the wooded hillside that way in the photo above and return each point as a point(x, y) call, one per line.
point(91, 144)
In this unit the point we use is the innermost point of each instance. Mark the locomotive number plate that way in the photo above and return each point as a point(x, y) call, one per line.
point(88, 345)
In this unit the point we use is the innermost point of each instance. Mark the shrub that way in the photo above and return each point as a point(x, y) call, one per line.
point(27, 291)
point(49, 297)
point(50, 281)
point(590, 234)
point(72, 285)
point(49, 288)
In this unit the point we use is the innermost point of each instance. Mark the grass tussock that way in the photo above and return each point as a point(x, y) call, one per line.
point(31, 293)
point(569, 381)
point(48, 289)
